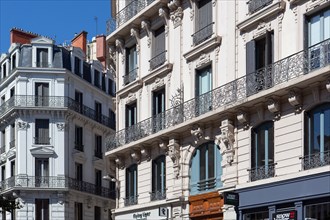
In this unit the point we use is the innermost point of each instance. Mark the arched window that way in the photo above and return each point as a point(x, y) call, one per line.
point(317, 137)
point(205, 169)
point(131, 185)
point(158, 179)
point(262, 154)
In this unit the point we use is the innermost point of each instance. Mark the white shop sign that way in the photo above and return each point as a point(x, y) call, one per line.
point(160, 213)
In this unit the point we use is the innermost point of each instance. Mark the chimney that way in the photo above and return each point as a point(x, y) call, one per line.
point(80, 40)
point(100, 48)
point(20, 36)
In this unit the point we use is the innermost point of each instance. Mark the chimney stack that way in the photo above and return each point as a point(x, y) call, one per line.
point(20, 36)
point(80, 40)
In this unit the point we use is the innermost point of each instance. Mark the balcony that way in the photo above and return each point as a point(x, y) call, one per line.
point(158, 60)
point(158, 195)
point(231, 94)
point(130, 76)
point(22, 182)
point(126, 14)
point(262, 172)
point(203, 34)
point(54, 102)
point(41, 140)
point(132, 200)
point(79, 146)
point(312, 161)
point(256, 5)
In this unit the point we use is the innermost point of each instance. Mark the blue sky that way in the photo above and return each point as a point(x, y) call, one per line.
point(58, 19)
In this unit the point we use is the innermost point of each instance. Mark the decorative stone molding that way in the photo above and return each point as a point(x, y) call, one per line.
point(327, 85)
point(216, 52)
point(295, 12)
point(61, 197)
point(314, 4)
point(295, 100)
point(227, 139)
point(176, 17)
point(145, 152)
point(197, 133)
point(22, 125)
point(262, 29)
point(192, 14)
point(280, 19)
point(260, 112)
point(173, 4)
point(214, 3)
point(112, 53)
point(315, 91)
point(60, 126)
point(158, 84)
point(120, 162)
point(174, 154)
point(130, 98)
point(274, 107)
point(177, 98)
point(163, 13)
point(120, 45)
point(203, 59)
point(89, 202)
point(145, 25)
point(136, 34)
point(243, 118)
point(136, 156)
point(163, 145)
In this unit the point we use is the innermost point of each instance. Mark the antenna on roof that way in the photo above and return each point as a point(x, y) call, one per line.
point(95, 18)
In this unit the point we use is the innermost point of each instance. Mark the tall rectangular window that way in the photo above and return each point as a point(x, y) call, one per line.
point(79, 171)
point(42, 57)
point(78, 211)
point(158, 110)
point(98, 111)
point(158, 51)
point(131, 115)
point(131, 65)
point(3, 173)
point(13, 61)
point(42, 94)
point(203, 22)
point(112, 87)
point(98, 181)
point(42, 209)
point(12, 136)
point(97, 78)
point(97, 213)
point(42, 132)
point(77, 66)
point(203, 90)
point(78, 97)
point(158, 179)
point(12, 92)
point(3, 142)
point(78, 145)
point(12, 168)
point(4, 70)
point(98, 146)
point(131, 185)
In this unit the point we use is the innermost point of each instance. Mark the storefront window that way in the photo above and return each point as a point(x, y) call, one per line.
point(319, 211)
point(257, 216)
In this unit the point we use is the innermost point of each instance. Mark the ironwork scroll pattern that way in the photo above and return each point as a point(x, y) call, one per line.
point(316, 160)
point(262, 172)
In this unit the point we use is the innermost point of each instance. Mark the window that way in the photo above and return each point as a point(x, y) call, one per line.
point(12, 168)
point(318, 31)
point(97, 78)
point(112, 188)
point(98, 181)
point(13, 62)
point(98, 146)
point(12, 92)
point(3, 142)
point(79, 100)
point(203, 88)
point(3, 99)
point(42, 209)
point(131, 185)
point(131, 115)
point(103, 83)
point(317, 137)
point(78, 145)
point(262, 154)
point(78, 211)
point(4, 70)
point(158, 52)
point(79, 171)
point(3, 173)
point(42, 132)
point(42, 94)
point(77, 64)
point(158, 110)
point(112, 87)
point(97, 213)
point(158, 179)
point(12, 136)
point(42, 57)
point(41, 172)
point(205, 169)
point(259, 54)
point(98, 111)
point(131, 65)
point(319, 211)
point(87, 72)
point(203, 22)
point(112, 118)
point(262, 215)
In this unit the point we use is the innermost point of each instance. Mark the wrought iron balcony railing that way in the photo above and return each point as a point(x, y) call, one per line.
point(130, 76)
point(133, 8)
point(79, 146)
point(203, 34)
point(3, 149)
point(158, 60)
point(26, 101)
point(12, 144)
point(256, 5)
point(158, 195)
point(53, 182)
point(42, 140)
point(131, 200)
point(319, 159)
point(262, 172)
point(282, 71)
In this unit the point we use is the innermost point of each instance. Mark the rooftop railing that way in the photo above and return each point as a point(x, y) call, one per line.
point(26, 101)
point(53, 182)
point(128, 12)
point(282, 71)
point(256, 5)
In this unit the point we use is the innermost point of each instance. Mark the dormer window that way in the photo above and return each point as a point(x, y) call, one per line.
point(13, 62)
point(4, 70)
point(97, 78)
point(42, 57)
point(77, 65)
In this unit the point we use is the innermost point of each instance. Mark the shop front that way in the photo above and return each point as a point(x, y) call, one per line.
point(304, 198)
point(207, 206)
point(159, 213)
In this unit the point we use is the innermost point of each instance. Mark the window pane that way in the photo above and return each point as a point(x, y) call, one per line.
point(315, 31)
point(202, 163)
point(210, 161)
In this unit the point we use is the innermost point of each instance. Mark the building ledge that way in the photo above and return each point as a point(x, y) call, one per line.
point(44, 151)
point(262, 15)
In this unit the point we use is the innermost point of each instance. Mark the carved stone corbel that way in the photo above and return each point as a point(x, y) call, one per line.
point(295, 100)
point(163, 146)
point(327, 85)
point(158, 83)
point(274, 107)
point(145, 25)
point(112, 52)
point(121, 49)
point(60, 126)
point(145, 152)
point(176, 17)
point(173, 4)
point(22, 125)
point(315, 91)
point(163, 13)
point(227, 139)
point(243, 118)
point(136, 34)
point(130, 98)
point(136, 156)
point(197, 133)
point(174, 154)
point(120, 163)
